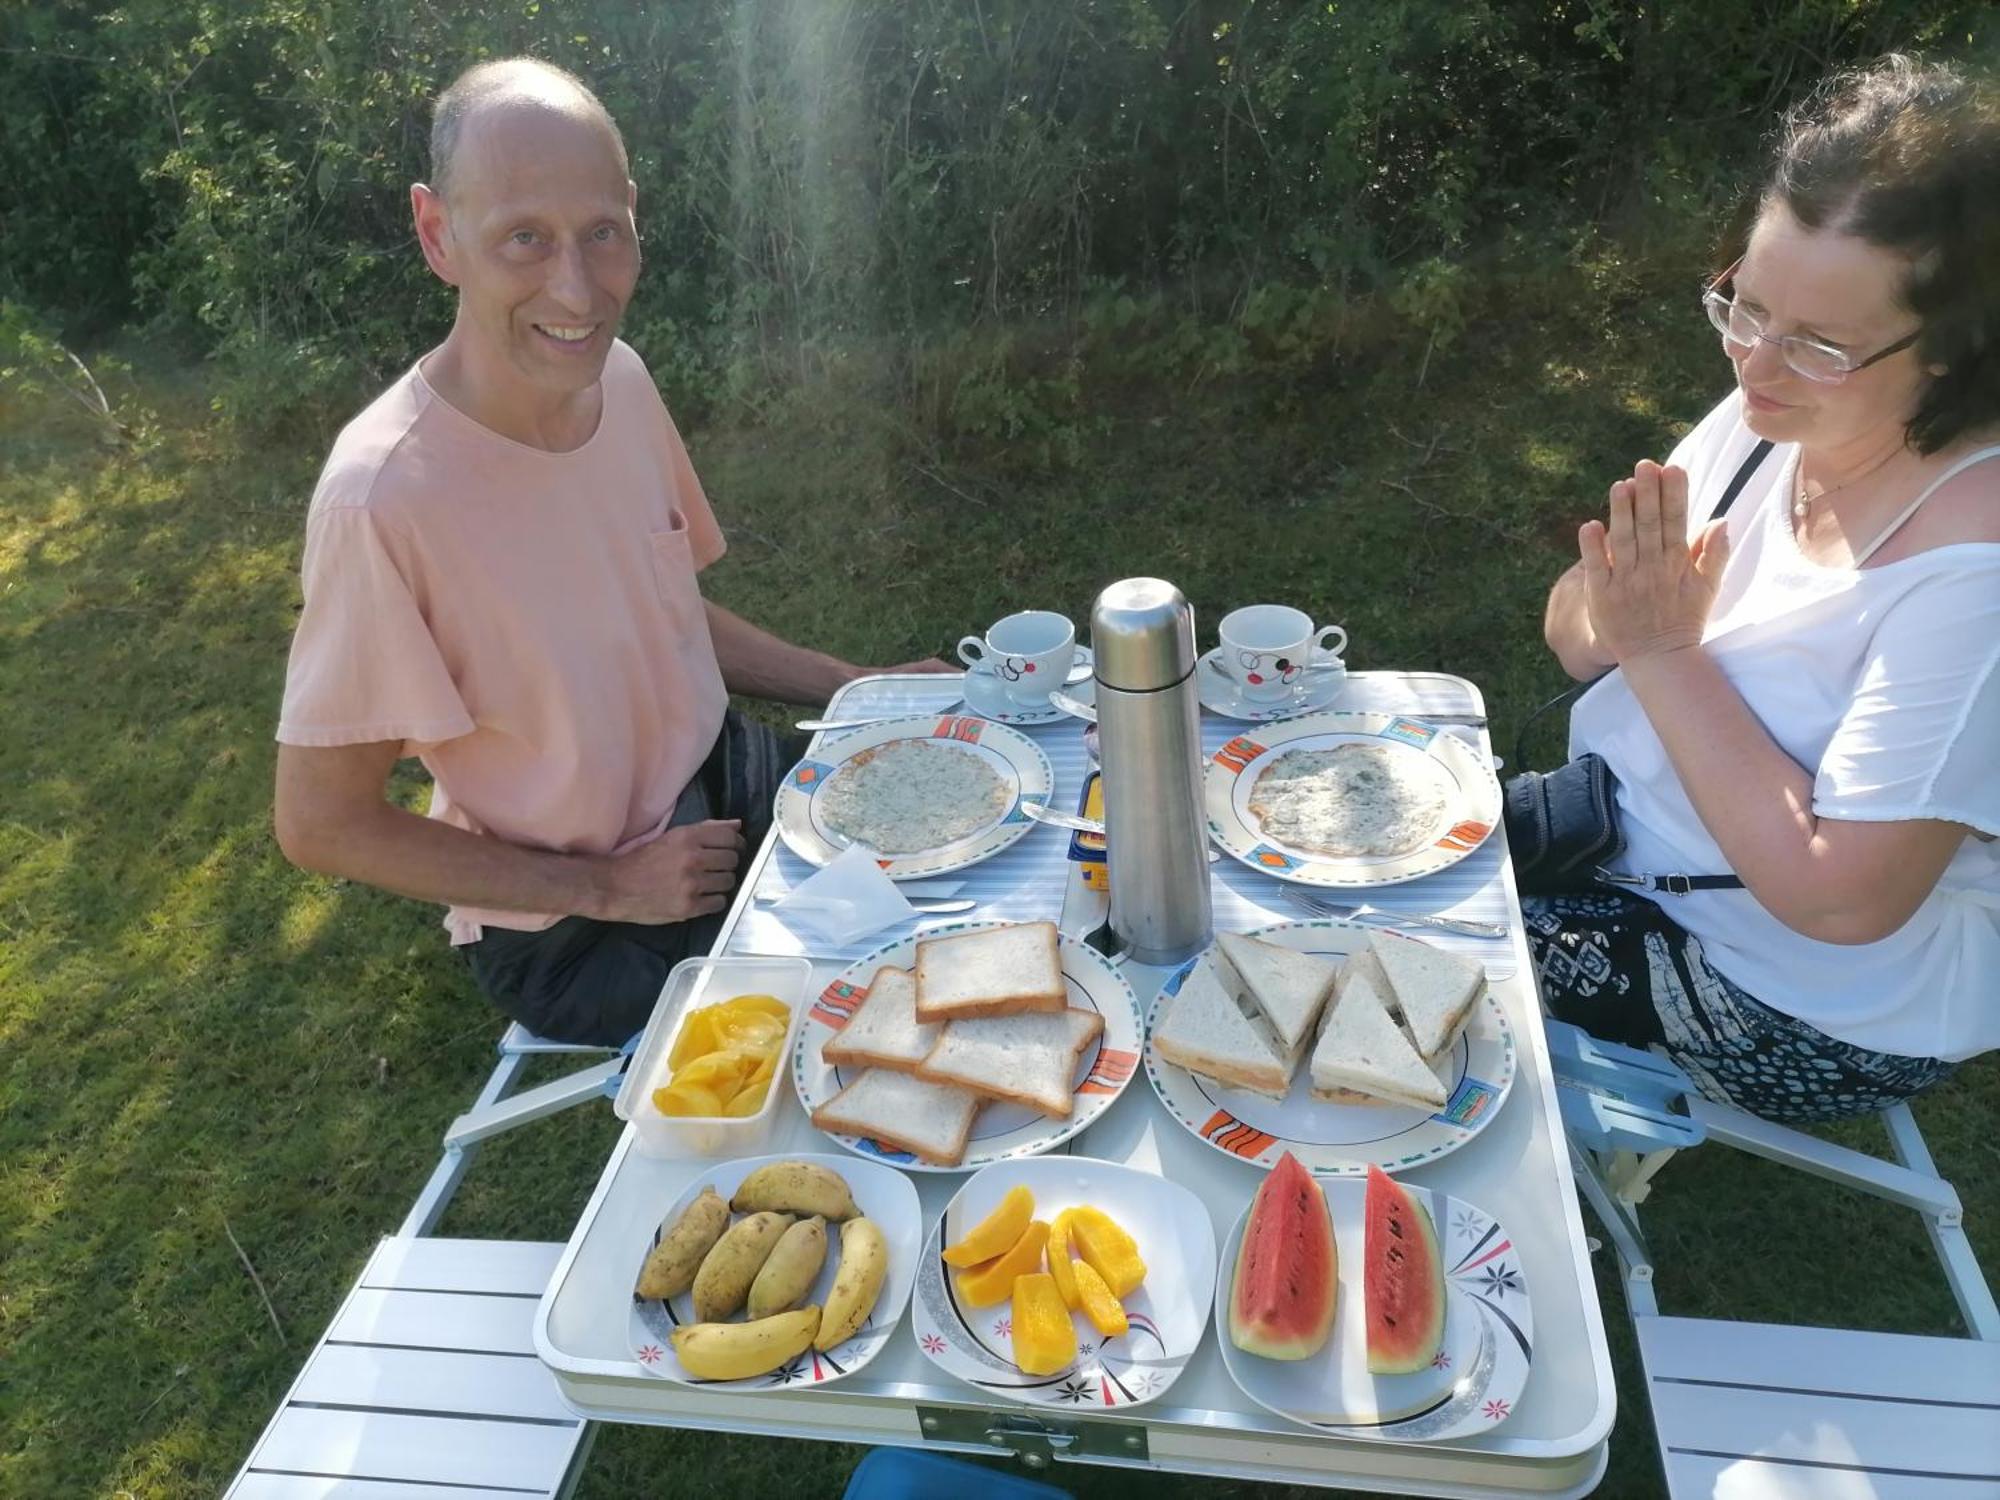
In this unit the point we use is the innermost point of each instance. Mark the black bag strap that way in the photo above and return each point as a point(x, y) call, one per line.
point(1576, 690)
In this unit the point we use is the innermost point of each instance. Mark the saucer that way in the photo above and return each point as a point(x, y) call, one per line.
point(1221, 694)
point(986, 696)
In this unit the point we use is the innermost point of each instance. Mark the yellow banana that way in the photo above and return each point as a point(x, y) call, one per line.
point(728, 1269)
point(795, 1187)
point(736, 1351)
point(864, 1261)
point(670, 1269)
point(788, 1275)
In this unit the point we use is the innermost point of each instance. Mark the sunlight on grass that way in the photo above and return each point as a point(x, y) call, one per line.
point(1551, 460)
point(306, 918)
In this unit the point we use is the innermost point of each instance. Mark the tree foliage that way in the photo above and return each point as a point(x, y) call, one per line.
point(822, 176)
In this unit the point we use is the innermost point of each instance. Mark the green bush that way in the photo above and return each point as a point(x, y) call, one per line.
point(819, 176)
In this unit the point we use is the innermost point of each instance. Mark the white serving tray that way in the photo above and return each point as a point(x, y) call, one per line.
point(1518, 1169)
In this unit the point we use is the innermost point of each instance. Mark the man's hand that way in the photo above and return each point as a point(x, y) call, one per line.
point(686, 872)
point(1646, 590)
point(929, 664)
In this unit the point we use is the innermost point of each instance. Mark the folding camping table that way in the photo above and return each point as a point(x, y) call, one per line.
point(1552, 1442)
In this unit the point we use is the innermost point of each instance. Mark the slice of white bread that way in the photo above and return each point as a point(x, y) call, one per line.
point(998, 971)
point(930, 1120)
point(1029, 1059)
point(1362, 1049)
point(883, 1031)
point(1290, 988)
point(1206, 1032)
point(1433, 991)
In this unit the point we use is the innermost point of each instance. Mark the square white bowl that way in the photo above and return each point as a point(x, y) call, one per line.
point(695, 983)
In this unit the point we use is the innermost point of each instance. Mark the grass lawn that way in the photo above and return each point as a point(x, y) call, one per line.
point(198, 1042)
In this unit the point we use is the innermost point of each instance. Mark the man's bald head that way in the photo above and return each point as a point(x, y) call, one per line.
point(514, 84)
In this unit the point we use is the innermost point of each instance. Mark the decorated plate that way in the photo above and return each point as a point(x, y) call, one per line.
point(1467, 793)
point(882, 1193)
point(1167, 1312)
point(1338, 1139)
point(1023, 771)
point(1001, 1130)
point(1471, 1387)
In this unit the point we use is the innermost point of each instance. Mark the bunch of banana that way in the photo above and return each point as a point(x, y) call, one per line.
point(767, 1263)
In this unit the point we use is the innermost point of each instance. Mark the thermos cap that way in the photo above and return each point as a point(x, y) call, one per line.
point(1142, 633)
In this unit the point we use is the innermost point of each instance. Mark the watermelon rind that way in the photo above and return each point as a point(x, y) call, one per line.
point(1402, 1279)
point(1287, 1278)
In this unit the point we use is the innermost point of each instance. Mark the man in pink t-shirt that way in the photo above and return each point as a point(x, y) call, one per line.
point(500, 579)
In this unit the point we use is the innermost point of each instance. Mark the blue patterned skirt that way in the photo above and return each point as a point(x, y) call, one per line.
point(1618, 966)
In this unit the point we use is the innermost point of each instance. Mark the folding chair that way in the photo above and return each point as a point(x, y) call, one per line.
point(498, 1109)
point(426, 1383)
point(1745, 1411)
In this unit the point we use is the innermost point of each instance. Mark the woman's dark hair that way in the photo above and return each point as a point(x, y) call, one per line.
point(1906, 155)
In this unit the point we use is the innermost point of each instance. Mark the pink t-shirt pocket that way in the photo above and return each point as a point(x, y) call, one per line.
point(674, 576)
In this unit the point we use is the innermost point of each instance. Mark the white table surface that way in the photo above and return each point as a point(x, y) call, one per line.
point(1517, 1169)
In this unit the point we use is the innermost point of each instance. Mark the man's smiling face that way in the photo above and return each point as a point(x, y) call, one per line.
point(539, 239)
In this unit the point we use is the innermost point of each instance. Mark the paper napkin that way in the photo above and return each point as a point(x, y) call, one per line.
point(845, 901)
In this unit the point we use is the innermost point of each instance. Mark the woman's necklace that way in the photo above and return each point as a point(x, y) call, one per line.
point(1802, 503)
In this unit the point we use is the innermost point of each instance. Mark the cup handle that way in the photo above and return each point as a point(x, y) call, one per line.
point(972, 651)
point(1322, 649)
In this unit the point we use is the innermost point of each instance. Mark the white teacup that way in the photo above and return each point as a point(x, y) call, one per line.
point(1268, 650)
point(1031, 653)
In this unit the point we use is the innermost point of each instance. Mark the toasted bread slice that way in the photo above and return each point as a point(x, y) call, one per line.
point(997, 971)
point(1289, 987)
point(929, 1120)
point(883, 1031)
point(1029, 1059)
point(1206, 1032)
point(1431, 989)
point(1362, 1049)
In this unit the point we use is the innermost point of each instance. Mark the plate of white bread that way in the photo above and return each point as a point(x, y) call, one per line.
point(971, 1044)
point(1347, 1045)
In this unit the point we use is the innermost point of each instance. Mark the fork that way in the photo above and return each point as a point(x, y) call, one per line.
point(1361, 911)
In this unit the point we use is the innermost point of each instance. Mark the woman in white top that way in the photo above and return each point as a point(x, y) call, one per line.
point(1805, 694)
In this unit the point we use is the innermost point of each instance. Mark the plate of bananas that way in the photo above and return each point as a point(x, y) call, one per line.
point(776, 1271)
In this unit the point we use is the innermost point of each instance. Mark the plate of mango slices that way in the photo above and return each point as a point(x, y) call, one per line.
point(776, 1271)
point(1065, 1281)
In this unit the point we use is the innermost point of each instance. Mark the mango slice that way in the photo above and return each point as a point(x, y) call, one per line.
point(993, 1282)
point(1105, 1315)
point(1110, 1251)
point(1044, 1337)
point(687, 1101)
point(1061, 1267)
point(996, 1232)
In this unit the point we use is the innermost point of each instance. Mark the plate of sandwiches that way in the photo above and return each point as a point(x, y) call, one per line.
point(928, 794)
point(1348, 1046)
point(973, 1044)
point(1349, 799)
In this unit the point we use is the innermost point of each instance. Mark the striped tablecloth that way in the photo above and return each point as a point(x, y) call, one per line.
point(1026, 883)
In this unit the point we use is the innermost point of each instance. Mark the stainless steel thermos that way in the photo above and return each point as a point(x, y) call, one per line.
point(1149, 733)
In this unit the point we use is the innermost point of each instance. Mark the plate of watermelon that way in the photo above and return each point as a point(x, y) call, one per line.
point(1065, 1281)
point(1376, 1309)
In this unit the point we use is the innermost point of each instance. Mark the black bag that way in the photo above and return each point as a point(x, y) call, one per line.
point(1562, 825)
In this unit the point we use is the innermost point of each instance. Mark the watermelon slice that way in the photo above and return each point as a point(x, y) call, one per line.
point(1402, 1279)
point(1287, 1274)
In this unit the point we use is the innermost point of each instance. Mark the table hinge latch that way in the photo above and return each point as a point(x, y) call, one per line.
point(1036, 1441)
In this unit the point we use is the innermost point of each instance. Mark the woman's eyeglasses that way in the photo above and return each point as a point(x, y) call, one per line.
point(1742, 329)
